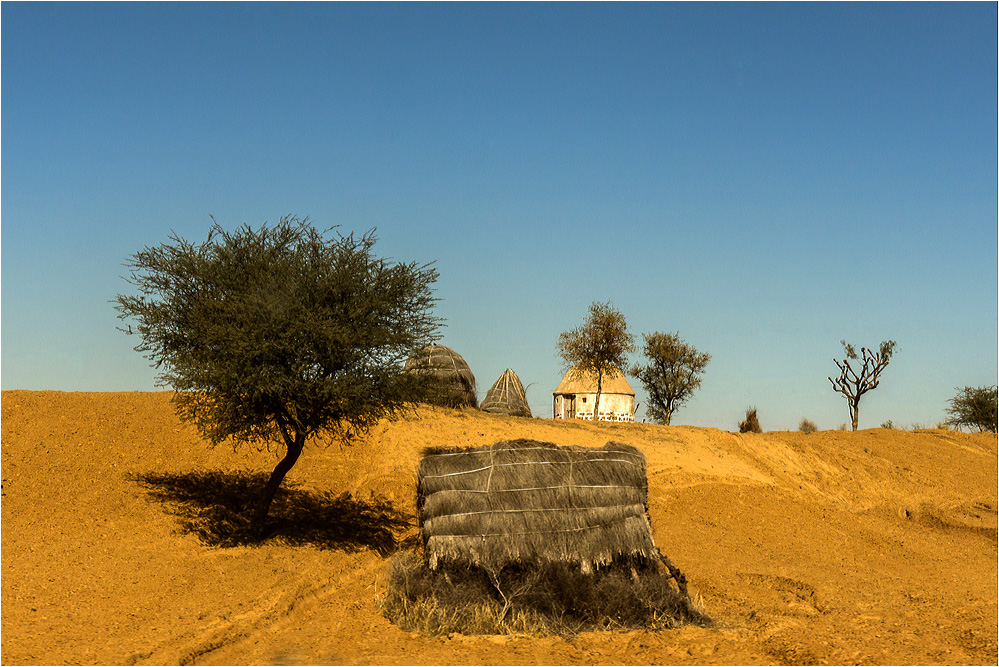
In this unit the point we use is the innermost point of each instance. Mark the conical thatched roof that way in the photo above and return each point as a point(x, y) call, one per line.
point(450, 380)
point(577, 382)
point(523, 501)
point(507, 396)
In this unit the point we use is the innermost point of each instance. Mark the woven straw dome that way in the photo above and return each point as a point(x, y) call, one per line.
point(454, 383)
point(507, 396)
point(577, 382)
point(524, 501)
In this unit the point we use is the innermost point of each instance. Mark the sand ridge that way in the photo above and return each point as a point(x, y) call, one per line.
point(873, 547)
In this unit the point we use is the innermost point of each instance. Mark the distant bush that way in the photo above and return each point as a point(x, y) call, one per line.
point(537, 600)
point(807, 426)
point(974, 408)
point(888, 424)
point(750, 424)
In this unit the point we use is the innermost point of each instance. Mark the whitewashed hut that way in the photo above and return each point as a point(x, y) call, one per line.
point(575, 396)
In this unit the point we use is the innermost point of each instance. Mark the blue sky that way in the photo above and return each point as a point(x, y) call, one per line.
point(766, 179)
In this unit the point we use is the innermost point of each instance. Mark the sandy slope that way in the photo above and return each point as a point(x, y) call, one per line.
point(870, 547)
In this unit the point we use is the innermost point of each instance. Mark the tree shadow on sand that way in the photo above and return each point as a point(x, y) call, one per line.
point(216, 506)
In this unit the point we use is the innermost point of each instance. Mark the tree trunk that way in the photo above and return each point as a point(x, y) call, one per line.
point(282, 468)
point(854, 412)
point(596, 401)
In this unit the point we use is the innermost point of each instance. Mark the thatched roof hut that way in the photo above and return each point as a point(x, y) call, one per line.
point(507, 396)
point(575, 381)
point(523, 501)
point(575, 397)
point(450, 381)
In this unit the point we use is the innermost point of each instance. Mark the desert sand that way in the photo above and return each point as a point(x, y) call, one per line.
point(875, 547)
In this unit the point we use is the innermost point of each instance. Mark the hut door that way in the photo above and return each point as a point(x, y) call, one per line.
point(569, 405)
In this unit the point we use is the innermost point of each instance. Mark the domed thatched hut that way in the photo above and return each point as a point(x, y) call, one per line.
point(450, 381)
point(507, 396)
point(576, 393)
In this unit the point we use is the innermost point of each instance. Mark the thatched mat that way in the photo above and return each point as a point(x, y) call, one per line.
point(527, 501)
point(875, 547)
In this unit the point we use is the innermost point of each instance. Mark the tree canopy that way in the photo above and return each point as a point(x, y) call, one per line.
point(280, 333)
point(974, 407)
point(671, 375)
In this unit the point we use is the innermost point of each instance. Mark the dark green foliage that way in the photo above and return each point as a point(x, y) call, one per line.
point(535, 599)
point(974, 407)
point(854, 383)
point(672, 374)
point(751, 424)
point(280, 333)
point(217, 507)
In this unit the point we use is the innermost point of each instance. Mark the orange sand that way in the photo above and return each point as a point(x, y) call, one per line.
point(876, 547)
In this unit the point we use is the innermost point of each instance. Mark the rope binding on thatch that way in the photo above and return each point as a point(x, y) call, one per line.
point(525, 501)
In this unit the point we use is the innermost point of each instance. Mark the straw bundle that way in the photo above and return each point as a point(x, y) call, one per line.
point(507, 396)
point(447, 379)
point(524, 501)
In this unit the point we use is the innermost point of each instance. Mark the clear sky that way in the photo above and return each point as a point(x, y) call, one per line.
point(766, 179)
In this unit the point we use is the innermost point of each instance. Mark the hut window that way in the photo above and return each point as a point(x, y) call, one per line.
point(584, 399)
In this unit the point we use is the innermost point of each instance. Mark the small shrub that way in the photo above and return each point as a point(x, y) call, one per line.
point(537, 600)
point(888, 424)
point(807, 426)
point(750, 424)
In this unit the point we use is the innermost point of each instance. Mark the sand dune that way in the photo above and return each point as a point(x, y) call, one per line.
point(875, 547)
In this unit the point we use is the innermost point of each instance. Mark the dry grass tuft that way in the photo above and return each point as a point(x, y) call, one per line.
point(751, 424)
point(535, 600)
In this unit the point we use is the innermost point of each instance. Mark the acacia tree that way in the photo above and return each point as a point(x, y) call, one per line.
point(855, 383)
point(283, 333)
point(974, 407)
point(597, 347)
point(672, 374)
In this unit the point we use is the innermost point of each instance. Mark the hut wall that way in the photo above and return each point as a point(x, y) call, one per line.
point(613, 407)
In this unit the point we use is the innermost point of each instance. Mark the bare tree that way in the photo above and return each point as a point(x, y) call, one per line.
point(597, 347)
point(855, 383)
